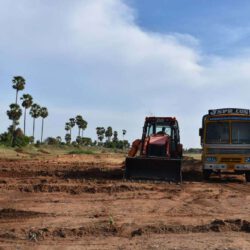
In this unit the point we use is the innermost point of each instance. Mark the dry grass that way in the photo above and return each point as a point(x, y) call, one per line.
point(195, 156)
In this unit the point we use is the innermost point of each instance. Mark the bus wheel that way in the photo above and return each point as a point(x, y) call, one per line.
point(206, 174)
point(247, 175)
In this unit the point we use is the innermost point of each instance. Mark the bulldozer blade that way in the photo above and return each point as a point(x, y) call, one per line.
point(153, 169)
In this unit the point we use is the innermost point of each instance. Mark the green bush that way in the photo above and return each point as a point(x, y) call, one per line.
point(18, 139)
point(51, 141)
point(81, 151)
point(5, 138)
point(117, 144)
point(83, 141)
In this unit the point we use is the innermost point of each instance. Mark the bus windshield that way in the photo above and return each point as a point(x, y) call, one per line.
point(217, 133)
point(241, 132)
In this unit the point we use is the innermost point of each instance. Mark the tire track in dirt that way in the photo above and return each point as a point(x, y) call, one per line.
point(240, 188)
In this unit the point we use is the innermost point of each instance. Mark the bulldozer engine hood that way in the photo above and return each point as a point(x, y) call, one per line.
point(158, 139)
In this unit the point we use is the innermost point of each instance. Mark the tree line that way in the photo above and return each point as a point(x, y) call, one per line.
point(81, 124)
point(112, 140)
point(16, 136)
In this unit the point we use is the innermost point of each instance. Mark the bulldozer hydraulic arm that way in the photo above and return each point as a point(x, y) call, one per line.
point(136, 145)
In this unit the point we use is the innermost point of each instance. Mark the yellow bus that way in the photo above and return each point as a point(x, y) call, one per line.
point(225, 140)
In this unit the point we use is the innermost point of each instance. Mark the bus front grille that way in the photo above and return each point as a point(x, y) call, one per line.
point(230, 160)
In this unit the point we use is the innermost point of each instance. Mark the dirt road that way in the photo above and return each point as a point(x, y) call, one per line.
point(82, 202)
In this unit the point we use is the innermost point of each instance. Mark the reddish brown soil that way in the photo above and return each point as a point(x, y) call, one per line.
point(82, 202)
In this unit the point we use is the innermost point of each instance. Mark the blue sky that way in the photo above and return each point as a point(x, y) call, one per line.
point(117, 61)
point(217, 24)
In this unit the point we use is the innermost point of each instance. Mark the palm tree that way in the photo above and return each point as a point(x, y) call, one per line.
point(43, 113)
point(115, 136)
point(79, 140)
point(72, 123)
point(35, 113)
point(68, 138)
point(100, 131)
point(78, 123)
point(81, 123)
point(83, 126)
point(68, 135)
point(18, 84)
point(67, 126)
point(109, 133)
point(27, 102)
point(124, 133)
point(14, 114)
point(59, 139)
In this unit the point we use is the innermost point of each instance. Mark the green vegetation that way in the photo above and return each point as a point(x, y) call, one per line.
point(43, 113)
point(18, 83)
point(35, 112)
point(44, 151)
point(81, 151)
point(100, 131)
point(111, 142)
point(195, 156)
point(16, 137)
point(192, 153)
point(26, 104)
point(82, 125)
point(192, 150)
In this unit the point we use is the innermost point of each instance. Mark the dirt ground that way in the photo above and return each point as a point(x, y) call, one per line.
point(82, 202)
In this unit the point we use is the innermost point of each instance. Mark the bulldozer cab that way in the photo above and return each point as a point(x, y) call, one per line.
point(158, 129)
point(160, 152)
point(167, 126)
point(162, 126)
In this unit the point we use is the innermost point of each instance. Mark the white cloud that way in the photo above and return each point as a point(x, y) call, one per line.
point(106, 34)
point(91, 57)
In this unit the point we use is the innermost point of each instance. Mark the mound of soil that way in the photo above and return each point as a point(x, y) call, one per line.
point(128, 230)
point(236, 225)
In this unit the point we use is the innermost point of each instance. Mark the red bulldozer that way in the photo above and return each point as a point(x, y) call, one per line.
point(158, 154)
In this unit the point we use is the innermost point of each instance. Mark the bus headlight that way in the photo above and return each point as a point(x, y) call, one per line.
point(247, 159)
point(211, 159)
